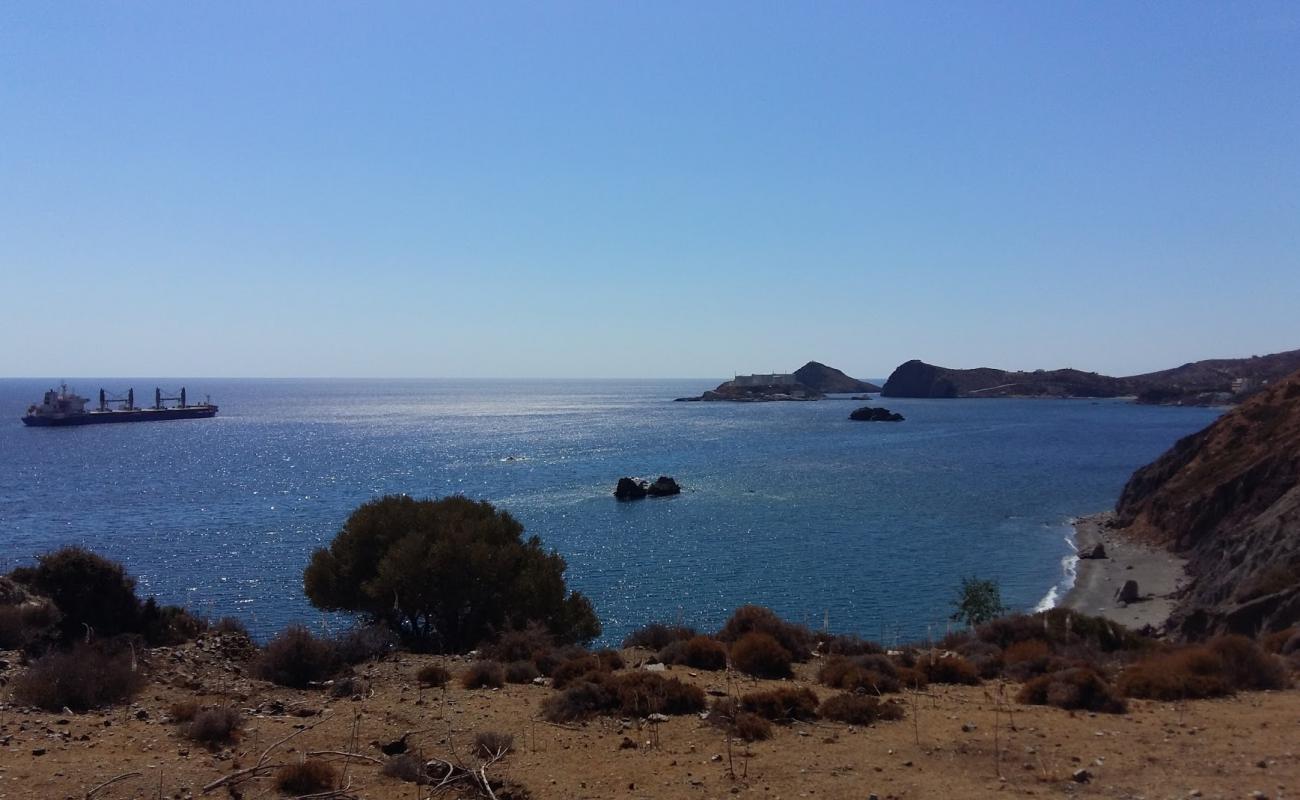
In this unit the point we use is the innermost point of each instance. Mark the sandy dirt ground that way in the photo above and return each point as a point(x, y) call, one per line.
point(956, 742)
point(1159, 575)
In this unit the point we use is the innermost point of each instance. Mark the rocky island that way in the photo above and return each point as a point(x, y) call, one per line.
point(812, 381)
point(1211, 382)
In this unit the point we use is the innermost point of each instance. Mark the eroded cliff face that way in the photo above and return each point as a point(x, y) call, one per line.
point(1228, 499)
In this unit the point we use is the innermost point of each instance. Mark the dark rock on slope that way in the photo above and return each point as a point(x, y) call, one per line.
point(829, 380)
point(1228, 499)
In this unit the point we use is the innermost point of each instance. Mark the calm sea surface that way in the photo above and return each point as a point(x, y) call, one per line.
point(869, 525)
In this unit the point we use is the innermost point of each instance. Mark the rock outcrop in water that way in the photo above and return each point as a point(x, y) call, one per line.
point(829, 380)
point(1211, 382)
point(635, 489)
point(869, 414)
point(1228, 500)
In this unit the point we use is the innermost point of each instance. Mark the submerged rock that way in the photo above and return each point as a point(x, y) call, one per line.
point(869, 414)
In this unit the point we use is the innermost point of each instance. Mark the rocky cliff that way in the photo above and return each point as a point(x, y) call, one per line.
point(830, 380)
point(1228, 499)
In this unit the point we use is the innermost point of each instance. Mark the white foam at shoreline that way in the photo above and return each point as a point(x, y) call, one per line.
point(1069, 570)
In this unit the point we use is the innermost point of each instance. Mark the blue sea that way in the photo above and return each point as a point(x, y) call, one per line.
point(867, 527)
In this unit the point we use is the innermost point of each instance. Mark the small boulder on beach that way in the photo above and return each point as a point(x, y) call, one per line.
point(1128, 593)
point(1096, 551)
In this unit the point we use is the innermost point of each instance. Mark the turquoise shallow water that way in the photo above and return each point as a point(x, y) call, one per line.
point(867, 525)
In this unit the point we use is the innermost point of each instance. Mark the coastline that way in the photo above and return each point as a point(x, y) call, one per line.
point(1159, 575)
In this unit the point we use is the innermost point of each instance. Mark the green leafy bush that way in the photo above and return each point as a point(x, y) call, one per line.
point(445, 574)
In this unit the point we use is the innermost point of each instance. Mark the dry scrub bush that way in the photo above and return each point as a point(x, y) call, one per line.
point(1061, 626)
point(657, 636)
point(859, 709)
point(230, 625)
point(1075, 689)
point(762, 656)
point(295, 658)
point(986, 658)
point(215, 726)
point(1026, 659)
point(484, 675)
point(311, 776)
point(725, 713)
point(1184, 674)
point(83, 678)
point(782, 705)
point(530, 643)
point(876, 674)
point(405, 767)
point(183, 710)
point(521, 672)
point(433, 675)
point(349, 686)
point(576, 669)
point(1223, 665)
point(491, 744)
point(634, 694)
point(848, 645)
point(1283, 642)
point(365, 643)
point(948, 669)
point(1246, 666)
point(698, 652)
point(644, 693)
point(24, 626)
point(796, 639)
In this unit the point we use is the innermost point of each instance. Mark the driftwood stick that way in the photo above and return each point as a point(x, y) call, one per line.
point(358, 756)
point(110, 782)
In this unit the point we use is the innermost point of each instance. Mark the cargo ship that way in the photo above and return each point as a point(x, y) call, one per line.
point(62, 407)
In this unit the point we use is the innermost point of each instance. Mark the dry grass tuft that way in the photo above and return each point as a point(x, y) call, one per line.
point(434, 675)
point(215, 726)
point(311, 776)
point(492, 744)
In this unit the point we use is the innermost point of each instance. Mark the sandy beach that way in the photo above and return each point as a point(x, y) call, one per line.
point(1159, 574)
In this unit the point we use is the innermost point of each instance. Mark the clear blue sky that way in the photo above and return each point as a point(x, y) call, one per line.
point(644, 189)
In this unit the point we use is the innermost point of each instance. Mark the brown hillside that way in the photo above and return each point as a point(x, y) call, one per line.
point(1228, 499)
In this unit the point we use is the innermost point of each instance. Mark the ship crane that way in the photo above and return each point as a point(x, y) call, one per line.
point(158, 398)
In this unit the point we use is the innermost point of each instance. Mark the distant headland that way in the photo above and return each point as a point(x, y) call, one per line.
point(1211, 382)
point(812, 381)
